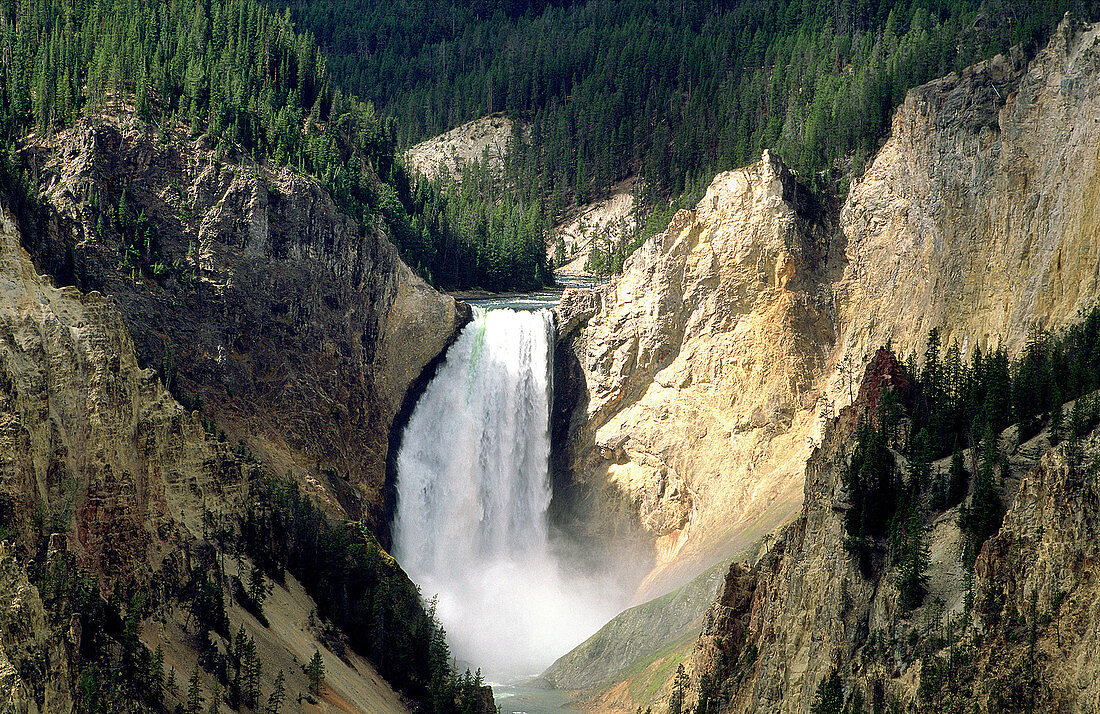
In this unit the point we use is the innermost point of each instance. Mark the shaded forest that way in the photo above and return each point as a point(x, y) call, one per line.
point(256, 87)
point(674, 90)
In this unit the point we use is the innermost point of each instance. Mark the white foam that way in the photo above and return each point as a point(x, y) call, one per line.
point(473, 490)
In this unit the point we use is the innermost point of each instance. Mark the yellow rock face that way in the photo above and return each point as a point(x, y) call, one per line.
point(980, 216)
point(710, 362)
point(703, 369)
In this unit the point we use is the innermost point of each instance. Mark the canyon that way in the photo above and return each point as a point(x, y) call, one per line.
point(700, 397)
point(709, 370)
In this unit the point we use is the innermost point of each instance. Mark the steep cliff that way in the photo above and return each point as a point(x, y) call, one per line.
point(259, 303)
point(778, 631)
point(980, 214)
point(969, 221)
point(702, 365)
point(708, 370)
point(98, 456)
point(34, 654)
point(91, 442)
point(708, 365)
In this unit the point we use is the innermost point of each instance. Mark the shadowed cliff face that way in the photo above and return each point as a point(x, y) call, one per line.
point(34, 657)
point(710, 364)
point(248, 289)
point(96, 454)
point(90, 438)
point(90, 445)
point(1026, 646)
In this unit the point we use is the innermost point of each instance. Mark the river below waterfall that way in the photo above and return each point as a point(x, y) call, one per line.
point(473, 489)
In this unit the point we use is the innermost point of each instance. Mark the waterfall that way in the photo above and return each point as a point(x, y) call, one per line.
point(473, 489)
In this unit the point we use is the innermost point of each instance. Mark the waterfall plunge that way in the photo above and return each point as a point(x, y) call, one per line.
point(472, 492)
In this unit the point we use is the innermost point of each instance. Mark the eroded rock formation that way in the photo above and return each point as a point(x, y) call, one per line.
point(702, 364)
point(91, 442)
point(97, 452)
point(175, 274)
point(981, 214)
point(34, 655)
point(711, 363)
point(805, 611)
point(244, 286)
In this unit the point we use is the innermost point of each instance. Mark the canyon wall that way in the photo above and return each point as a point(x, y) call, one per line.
point(262, 306)
point(981, 214)
point(176, 325)
point(91, 442)
point(709, 366)
point(978, 217)
point(702, 367)
point(1021, 640)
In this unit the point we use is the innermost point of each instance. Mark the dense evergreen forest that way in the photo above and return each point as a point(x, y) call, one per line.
point(674, 90)
point(261, 91)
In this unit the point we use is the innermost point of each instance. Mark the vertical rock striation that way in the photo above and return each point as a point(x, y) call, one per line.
point(34, 655)
point(264, 306)
point(88, 439)
point(703, 365)
point(709, 365)
point(978, 217)
point(981, 214)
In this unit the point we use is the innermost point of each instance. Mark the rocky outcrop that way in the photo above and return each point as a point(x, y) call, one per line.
point(967, 221)
point(712, 365)
point(608, 224)
point(1037, 590)
point(34, 655)
point(90, 445)
point(703, 364)
point(95, 451)
point(261, 305)
point(980, 214)
point(711, 362)
point(1026, 646)
point(810, 607)
point(89, 441)
point(448, 154)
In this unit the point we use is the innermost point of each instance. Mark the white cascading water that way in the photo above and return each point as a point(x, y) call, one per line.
point(472, 494)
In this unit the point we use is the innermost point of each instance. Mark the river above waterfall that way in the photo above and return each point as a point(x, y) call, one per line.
point(537, 300)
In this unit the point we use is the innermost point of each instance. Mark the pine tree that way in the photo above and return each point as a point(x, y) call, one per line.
point(1056, 419)
point(983, 518)
point(830, 695)
point(251, 671)
point(1078, 421)
point(920, 460)
point(278, 695)
point(156, 675)
point(958, 479)
point(194, 694)
point(915, 559)
point(315, 672)
point(257, 593)
point(215, 700)
point(679, 691)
